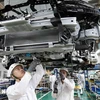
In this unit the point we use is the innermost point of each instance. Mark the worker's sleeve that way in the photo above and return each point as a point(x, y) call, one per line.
point(50, 78)
point(69, 83)
point(36, 78)
point(17, 90)
point(54, 95)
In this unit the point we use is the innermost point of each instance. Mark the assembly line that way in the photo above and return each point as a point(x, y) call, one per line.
point(49, 50)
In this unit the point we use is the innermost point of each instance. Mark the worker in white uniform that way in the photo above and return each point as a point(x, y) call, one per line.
point(81, 81)
point(24, 88)
point(97, 74)
point(63, 87)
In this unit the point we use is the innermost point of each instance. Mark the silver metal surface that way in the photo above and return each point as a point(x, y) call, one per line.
point(22, 25)
point(33, 37)
point(55, 48)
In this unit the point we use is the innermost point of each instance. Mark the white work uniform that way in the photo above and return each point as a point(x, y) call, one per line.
point(52, 79)
point(25, 89)
point(65, 90)
point(81, 82)
point(81, 78)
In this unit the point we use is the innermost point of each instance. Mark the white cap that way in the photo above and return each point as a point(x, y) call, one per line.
point(81, 72)
point(97, 71)
point(64, 69)
point(11, 69)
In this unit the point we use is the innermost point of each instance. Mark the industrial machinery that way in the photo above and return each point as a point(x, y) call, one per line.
point(51, 33)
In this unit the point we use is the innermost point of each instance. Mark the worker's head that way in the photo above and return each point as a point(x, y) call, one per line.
point(16, 71)
point(64, 71)
point(98, 73)
point(81, 71)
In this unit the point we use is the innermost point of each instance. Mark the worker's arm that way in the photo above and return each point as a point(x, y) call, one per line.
point(54, 92)
point(54, 95)
point(36, 78)
point(14, 92)
point(69, 83)
point(33, 65)
point(55, 89)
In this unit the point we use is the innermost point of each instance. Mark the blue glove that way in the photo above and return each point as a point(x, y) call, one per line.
point(55, 87)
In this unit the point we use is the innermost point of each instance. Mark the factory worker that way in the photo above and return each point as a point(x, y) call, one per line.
point(63, 87)
point(97, 74)
point(24, 87)
point(81, 81)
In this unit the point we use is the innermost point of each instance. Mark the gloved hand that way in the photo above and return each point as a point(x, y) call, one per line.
point(62, 76)
point(33, 65)
point(55, 87)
